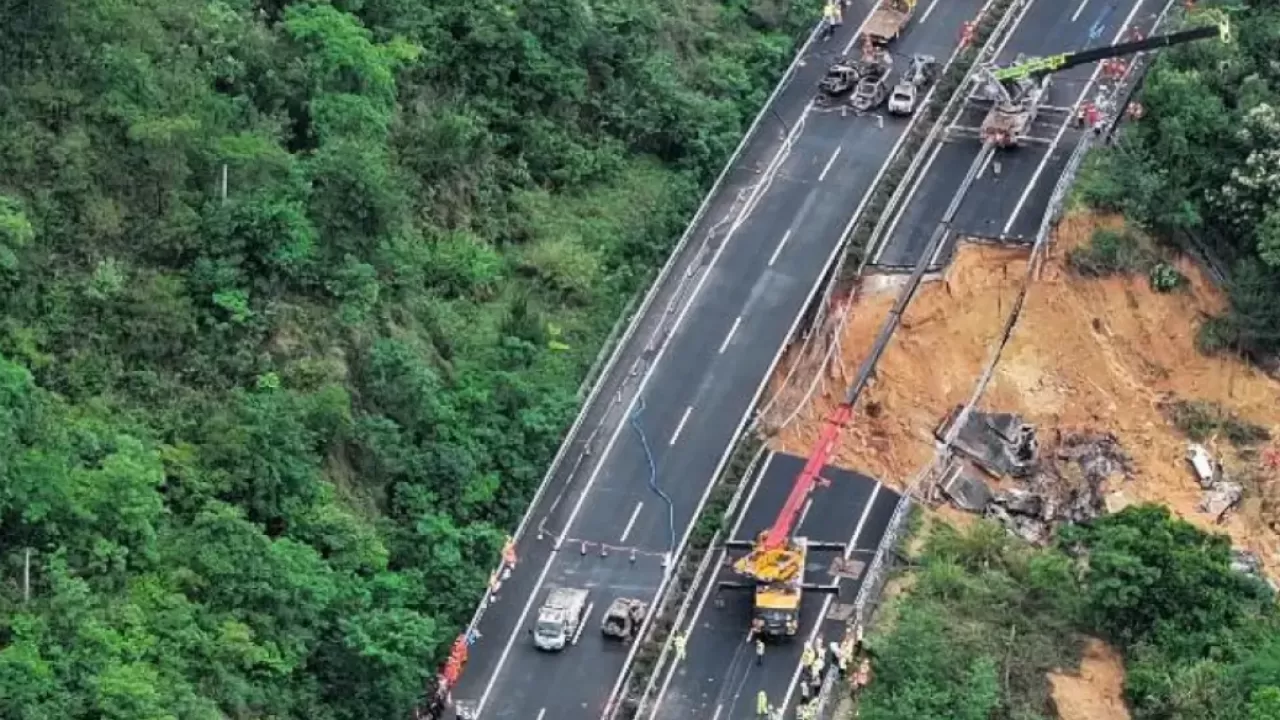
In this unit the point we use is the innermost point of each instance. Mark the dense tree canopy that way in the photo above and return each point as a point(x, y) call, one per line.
point(1203, 164)
point(279, 285)
point(989, 616)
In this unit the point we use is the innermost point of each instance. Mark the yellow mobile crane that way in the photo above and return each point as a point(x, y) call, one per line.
point(776, 561)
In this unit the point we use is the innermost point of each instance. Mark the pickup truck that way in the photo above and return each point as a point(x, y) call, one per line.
point(559, 619)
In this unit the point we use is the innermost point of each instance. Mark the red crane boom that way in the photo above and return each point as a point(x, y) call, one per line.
point(811, 475)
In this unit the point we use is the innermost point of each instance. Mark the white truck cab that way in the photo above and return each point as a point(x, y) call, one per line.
point(559, 619)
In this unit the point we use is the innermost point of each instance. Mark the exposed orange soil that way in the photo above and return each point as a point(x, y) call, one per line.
point(1100, 354)
point(1096, 691)
point(930, 364)
point(1087, 354)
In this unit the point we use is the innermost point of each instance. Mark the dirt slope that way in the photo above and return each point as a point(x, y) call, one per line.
point(930, 364)
point(1087, 354)
point(1096, 691)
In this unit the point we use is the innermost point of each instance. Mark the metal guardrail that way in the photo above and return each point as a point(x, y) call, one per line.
point(943, 118)
point(872, 585)
point(658, 337)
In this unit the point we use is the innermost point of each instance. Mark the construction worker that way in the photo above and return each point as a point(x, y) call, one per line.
point(680, 642)
point(807, 657)
point(759, 651)
point(762, 704)
point(831, 19)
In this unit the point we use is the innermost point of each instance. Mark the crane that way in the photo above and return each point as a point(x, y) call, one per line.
point(776, 561)
point(1016, 90)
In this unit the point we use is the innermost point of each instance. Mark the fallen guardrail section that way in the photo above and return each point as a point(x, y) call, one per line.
point(877, 572)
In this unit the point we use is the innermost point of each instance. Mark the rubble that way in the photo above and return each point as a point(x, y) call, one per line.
point(1246, 561)
point(965, 490)
point(1221, 499)
point(999, 443)
point(1067, 485)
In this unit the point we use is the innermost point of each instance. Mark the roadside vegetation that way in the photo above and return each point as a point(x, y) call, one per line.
point(1201, 170)
point(294, 301)
point(989, 617)
point(985, 626)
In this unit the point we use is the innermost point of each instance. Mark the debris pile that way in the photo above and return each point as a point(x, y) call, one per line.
point(1221, 495)
point(1068, 484)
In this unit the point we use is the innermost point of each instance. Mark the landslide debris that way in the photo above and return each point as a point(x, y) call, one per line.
point(1095, 362)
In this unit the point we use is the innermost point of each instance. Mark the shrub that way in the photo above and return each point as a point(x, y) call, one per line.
point(1166, 278)
point(1109, 252)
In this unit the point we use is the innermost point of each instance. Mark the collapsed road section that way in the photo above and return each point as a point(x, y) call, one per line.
point(1013, 185)
point(618, 504)
point(721, 676)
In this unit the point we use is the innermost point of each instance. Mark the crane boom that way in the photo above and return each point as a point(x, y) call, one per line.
point(780, 533)
point(1038, 67)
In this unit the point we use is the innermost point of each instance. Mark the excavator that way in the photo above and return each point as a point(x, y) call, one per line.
point(1016, 90)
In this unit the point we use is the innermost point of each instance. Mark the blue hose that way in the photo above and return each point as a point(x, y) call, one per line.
point(653, 473)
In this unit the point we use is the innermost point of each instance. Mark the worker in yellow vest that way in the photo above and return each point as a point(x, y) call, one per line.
point(831, 18)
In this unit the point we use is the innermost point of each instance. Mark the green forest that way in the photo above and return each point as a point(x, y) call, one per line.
point(987, 616)
point(1201, 169)
point(295, 300)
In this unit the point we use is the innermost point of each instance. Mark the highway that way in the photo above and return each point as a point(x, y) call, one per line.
point(1010, 195)
point(662, 425)
point(719, 677)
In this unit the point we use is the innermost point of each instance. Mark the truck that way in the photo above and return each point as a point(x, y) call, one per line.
point(906, 94)
point(559, 618)
point(1017, 90)
point(777, 604)
point(776, 579)
point(888, 20)
point(1015, 104)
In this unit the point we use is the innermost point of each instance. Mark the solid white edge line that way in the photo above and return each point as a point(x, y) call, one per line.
point(1075, 108)
point(636, 320)
point(1076, 15)
point(729, 336)
point(631, 523)
point(804, 513)
point(679, 427)
point(826, 602)
point(711, 580)
point(928, 11)
point(835, 251)
point(644, 382)
point(906, 202)
point(586, 616)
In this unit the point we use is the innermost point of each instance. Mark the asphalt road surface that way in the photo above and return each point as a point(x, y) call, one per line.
point(719, 677)
point(774, 229)
point(1011, 193)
